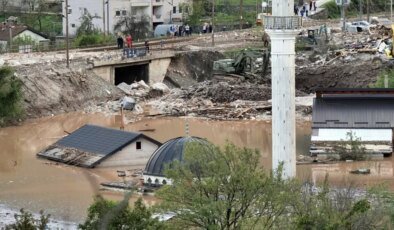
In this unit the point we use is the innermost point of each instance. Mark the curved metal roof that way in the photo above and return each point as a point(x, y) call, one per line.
point(170, 151)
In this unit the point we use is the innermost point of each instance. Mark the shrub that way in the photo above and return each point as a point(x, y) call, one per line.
point(351, 149)
point(390, 77)
point(26, 221)
point(10, 95)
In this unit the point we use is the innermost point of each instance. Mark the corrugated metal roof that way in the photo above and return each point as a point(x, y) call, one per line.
point(353, 112)
point(99, 140)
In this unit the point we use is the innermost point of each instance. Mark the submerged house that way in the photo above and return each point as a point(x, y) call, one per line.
point(91, 146)
point(366, 113)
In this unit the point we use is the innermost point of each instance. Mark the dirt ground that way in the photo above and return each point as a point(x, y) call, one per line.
point(50, 88)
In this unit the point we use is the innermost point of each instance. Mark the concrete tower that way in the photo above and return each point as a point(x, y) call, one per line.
point(283, 27)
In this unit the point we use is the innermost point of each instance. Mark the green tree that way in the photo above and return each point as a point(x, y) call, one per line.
point(105, 214)
point(10, 95)
point(225, 188)
point(26, 221)
point(139, 28)
point(87, 26)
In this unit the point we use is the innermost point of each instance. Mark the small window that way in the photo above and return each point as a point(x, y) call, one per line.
point(70, 11)
point(180, 10)
point(174, 9)
point(138, 145)
point(164, 182)
point(117, 13)
point(73, 25)
point(124, 12)
point(85, 11)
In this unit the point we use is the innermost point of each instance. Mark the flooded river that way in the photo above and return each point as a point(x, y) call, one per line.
point(66, 191)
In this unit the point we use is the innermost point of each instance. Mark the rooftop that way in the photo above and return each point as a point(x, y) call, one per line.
point(90, 144)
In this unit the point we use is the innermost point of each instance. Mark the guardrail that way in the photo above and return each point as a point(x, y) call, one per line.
point(282, 23)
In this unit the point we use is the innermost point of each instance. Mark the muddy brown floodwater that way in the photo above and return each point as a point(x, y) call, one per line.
point(66, 191)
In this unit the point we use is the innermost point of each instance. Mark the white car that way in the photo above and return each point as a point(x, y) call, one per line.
point(358, 26)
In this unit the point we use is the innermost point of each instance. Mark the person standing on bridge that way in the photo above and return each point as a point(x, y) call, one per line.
point(314, 5)
point(120, 42)
point(129, 41)
point(147, 46)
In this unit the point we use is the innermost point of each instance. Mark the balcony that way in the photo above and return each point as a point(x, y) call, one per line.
point(282, 23)
point(141, 3)
point(157, 2)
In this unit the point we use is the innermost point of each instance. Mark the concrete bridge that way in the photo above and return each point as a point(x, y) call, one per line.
point(151, 68)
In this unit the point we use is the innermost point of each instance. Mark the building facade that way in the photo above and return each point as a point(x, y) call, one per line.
point(106, 13)
point(362, 114)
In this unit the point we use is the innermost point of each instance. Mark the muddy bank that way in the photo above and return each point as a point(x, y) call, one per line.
point(351, 73)
point(51, 88)
point(188, 68)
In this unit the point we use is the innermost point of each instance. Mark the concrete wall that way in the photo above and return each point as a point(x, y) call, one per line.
point(156, 179)
point(105, 72)
point(130, 156)
point(158, 69)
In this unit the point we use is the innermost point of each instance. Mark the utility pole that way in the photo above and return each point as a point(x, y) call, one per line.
point(241, 3)
point(10, 30)
point(104, 18)
point(360, 10)
point(108, 17)
point(343, 15)
point(367, 10)
point(213, 23)
point(67, 37)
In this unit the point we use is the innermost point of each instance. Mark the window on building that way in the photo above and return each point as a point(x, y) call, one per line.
point(174, 9)
point(73, 25)
point(117, 13)
point(187, 9)
point(180, 10)
point(85, 11)
point(138, 145)
point(70, 11)
point(124, 12)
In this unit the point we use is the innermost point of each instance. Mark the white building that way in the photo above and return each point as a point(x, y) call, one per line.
point(108, 12)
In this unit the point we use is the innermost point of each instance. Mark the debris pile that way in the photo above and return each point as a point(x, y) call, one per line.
point(219, 101)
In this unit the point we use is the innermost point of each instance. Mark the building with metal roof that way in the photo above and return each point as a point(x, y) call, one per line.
point(91, 146)
point(366, 113)
point(170, 151)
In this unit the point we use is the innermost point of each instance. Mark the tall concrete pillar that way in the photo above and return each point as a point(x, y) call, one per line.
point(283, 27)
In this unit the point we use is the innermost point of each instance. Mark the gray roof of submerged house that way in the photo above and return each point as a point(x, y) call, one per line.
point(100, 141)
point(170, 151)
point(361, 108)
